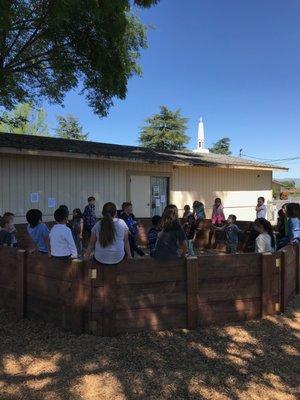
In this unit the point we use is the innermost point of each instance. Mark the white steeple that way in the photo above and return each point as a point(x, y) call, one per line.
point(201, 138)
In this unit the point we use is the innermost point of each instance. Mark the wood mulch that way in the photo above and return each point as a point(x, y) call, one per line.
point(255, 360)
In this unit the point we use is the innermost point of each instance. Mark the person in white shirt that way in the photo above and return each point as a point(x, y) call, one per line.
point(265, 241)
point(62, 244)
point(261, 208)
point(109, 238)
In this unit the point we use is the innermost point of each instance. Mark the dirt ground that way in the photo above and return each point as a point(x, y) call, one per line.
point(256, 360)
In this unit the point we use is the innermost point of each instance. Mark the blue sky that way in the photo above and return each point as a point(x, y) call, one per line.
point(235, 63)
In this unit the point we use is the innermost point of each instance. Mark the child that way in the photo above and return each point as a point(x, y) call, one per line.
point(198, 210)
point(261, 208)
point(89, 215)
point(38, 231)
point(7, 227)
point(153, 233)
point(171, 241)
point(199, 237)
point(232, 234)
point(265, 241)
point(77, 229)
point(61, 240)
point(218, 216)
point(189, 229)
point(293, 225)
point(282, 223)
point(12, 228)
point(64, 207)
point(130, 221)
point(187, 213)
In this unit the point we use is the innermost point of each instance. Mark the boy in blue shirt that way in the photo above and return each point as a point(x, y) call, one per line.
point(153, 233)
point(37, 230)
point(232, 234)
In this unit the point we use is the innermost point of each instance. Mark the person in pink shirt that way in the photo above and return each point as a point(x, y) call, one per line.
point(218, 216)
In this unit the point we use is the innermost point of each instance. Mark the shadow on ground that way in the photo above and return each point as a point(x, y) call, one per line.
point(256, 360)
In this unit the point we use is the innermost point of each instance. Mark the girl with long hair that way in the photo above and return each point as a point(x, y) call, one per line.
point(77, 229)
point(109, 238)
point(171, 242)
point(265, 241)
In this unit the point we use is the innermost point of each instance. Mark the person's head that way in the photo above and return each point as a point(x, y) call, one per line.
point(218, 201)
point(170, 217)
point(196, 204)
point(34, 217)
point(231, 219)
point(187, 208)
point(293, 210)
point(127, 207)
point(92, 200)
point(107, 228)
point(156, 220)
point(77, 213)
point(7, 221)
point(260, 201)
point(263, 226)
point(191, 219)
point(64, 207)
point(61, 215)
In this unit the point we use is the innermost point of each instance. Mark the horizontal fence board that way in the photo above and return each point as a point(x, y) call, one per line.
point(41, 264)
point(8, 298)
point(55, 312)
point(224, 289)
point(46, 287)
point(227, 311)
point(152, 271)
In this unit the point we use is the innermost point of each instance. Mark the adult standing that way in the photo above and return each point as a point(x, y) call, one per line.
point(89, 215)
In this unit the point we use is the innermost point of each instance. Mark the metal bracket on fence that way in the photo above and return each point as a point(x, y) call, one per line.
point(277, 307)
point(93, 273)
point(278, 262)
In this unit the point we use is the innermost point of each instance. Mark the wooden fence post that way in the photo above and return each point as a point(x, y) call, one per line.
point(192, 291)
point(110, 293)
point(78, 297)
point(298, 269)
point(20, 283)
point(282, 278)
point(268, 267)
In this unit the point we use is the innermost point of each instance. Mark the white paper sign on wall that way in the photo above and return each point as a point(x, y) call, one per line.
point(34, 197)
point(51, 202)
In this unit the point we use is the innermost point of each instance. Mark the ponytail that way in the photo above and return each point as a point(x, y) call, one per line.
point(107, 228)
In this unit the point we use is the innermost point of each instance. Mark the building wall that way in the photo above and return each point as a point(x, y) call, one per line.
point(72, 180)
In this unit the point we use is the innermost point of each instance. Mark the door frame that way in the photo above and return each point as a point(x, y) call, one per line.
point(151, 174)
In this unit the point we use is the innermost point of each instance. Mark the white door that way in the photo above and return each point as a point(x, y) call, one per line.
point(140, 195)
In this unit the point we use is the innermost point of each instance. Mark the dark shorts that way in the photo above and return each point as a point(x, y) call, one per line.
point(62, 257)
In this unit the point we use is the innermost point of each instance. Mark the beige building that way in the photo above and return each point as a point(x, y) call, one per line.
point(44, 172)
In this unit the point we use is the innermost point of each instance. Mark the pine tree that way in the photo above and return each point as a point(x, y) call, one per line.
point(165, 131)
point(24, 119)
point(69, 128)
point(222, 146)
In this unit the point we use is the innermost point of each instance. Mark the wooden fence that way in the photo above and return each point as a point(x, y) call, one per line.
point(146, 295)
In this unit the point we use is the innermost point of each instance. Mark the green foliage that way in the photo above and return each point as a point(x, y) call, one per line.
point(290, 184)
point(165, 131)
point(24, 119)
point(222, 146)
point(48, 47)
point(69, 128)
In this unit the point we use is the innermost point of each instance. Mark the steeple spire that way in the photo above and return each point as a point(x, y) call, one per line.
point(201, 138)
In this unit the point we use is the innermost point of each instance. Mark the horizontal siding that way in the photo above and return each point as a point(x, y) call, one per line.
point(71, 181)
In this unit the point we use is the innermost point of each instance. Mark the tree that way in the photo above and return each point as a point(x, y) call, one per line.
point(165, 131)
point(289, 184)
point(48, 47)
point(69, 128)
point(222, 146)
point(24, 119)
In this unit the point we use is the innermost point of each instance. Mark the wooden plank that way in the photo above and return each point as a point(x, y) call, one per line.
point(229, 288)
point(192, 291)
point(228, 311)
point(151, 319)
point(109, 314)
point(151, 271)
point(20, 284)
point(48, 288)
point(297, 269)
point(41, 264)
point(54, 312)
point(283, 289)
point(268, 266)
